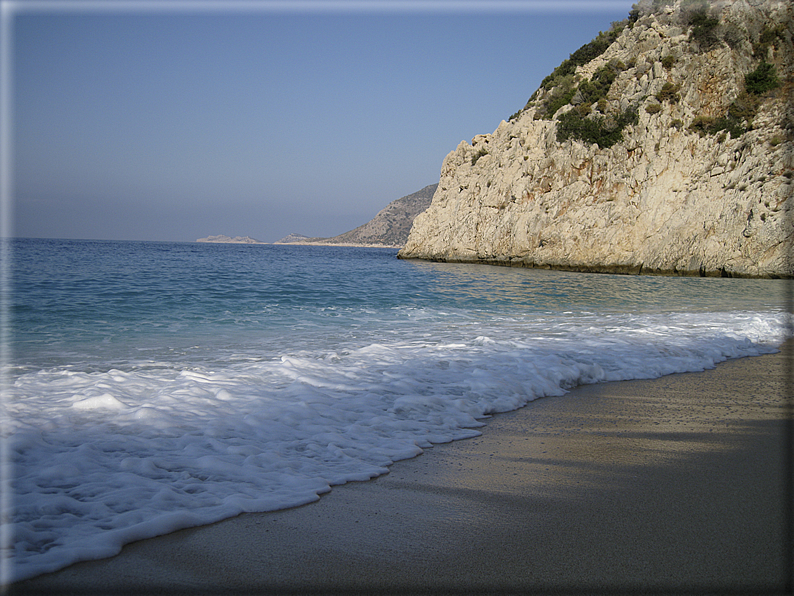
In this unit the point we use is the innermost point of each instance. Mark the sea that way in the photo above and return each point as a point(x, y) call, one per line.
point(153, 386)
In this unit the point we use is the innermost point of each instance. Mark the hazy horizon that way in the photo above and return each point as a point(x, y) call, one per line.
point(178, 121)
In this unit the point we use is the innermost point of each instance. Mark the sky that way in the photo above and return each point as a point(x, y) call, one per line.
point(175, 120)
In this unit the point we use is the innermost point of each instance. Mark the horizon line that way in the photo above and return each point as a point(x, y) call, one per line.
point(16, 7)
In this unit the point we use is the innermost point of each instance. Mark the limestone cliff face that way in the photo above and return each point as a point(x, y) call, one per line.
point(676, 195)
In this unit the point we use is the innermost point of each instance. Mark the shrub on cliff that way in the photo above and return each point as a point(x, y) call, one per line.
point(565, 68)
point(768, 37)
point(598, 85)
point(741, 110)
point(701, 124)
point(603, 131)
point(586, 94)
point(560, 96)
point(734, 36)
point(704, 29)
point(762, 79)
point(583, 55)
point(596, 47)
point(669, 93)
point(728, 124)
point(744, 107)
point(562, 76)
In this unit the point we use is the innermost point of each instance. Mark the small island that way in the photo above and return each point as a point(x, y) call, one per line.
point(221, 239)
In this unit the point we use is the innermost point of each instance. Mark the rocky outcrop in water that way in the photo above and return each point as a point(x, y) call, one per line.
point(663, 146)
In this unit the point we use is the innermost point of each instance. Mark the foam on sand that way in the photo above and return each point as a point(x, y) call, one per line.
point(107, 457)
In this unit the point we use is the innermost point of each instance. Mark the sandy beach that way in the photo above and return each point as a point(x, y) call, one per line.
point(679, 484)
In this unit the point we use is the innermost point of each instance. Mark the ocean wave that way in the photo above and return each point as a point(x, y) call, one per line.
point(104, 457)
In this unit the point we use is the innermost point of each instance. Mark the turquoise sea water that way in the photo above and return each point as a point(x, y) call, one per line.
point(153, 386)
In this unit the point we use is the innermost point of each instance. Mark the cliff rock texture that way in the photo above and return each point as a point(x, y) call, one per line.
point(663, 146)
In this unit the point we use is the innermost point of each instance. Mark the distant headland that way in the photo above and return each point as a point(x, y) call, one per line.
point(221, 239)
point(388, 229)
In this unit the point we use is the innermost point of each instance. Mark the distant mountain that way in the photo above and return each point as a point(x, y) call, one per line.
point(221, 239)
point(389, 228)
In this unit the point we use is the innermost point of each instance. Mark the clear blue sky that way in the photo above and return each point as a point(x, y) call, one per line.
point(178, 120)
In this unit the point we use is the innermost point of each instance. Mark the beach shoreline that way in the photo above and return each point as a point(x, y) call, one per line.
point(675, 484)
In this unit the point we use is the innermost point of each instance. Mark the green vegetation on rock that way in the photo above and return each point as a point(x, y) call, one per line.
point(602, 130)
point(601, 126)
point(726, 123)
point(561, 83)
point(598, 85)
point(742, 110)
point(769, 36)
point(669, 93)
point(762, 79)
point(736, 121)
point(583, 55)
point(560, 96)
point(704, 29)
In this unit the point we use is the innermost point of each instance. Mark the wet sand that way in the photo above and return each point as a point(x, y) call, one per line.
point(679, 484)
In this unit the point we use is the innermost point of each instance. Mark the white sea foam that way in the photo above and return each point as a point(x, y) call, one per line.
point(110, 456)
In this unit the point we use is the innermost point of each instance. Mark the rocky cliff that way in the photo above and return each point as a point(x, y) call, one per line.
point(389, 228)
point(662, 146)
